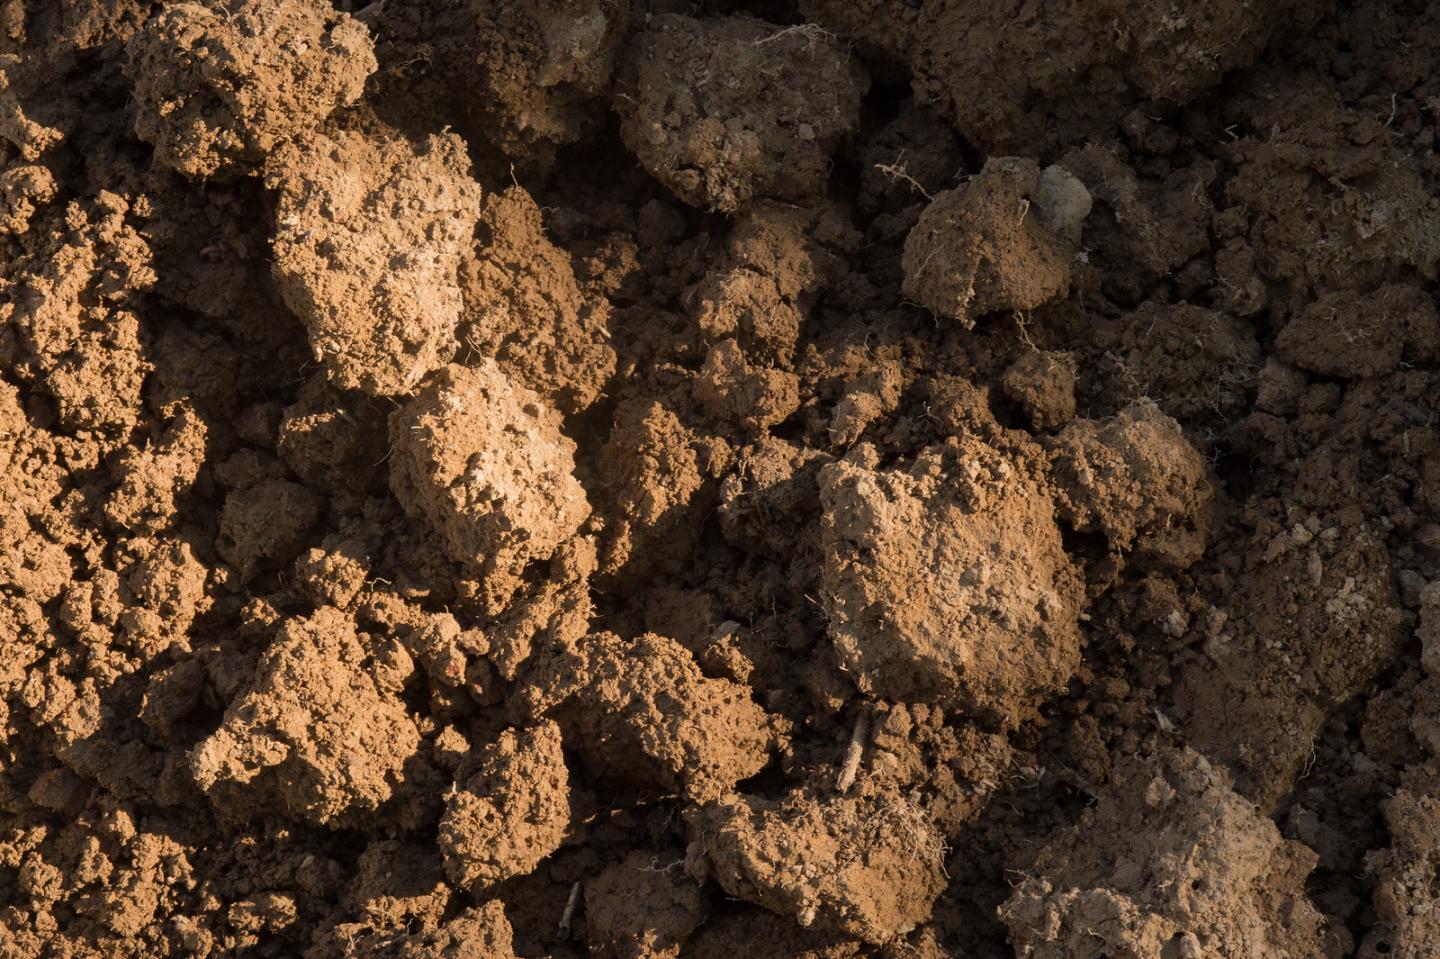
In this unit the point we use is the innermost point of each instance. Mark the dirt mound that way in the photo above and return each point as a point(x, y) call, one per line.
point(680, 479)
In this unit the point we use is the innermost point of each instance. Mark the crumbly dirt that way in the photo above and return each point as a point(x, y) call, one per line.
point(660, 479)
point(218, 88)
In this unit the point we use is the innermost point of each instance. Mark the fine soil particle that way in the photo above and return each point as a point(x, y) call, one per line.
point(660, 479)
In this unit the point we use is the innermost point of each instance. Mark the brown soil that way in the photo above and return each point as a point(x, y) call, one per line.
point(686, 478)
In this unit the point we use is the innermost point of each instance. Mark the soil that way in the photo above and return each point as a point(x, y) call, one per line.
point(668, 478)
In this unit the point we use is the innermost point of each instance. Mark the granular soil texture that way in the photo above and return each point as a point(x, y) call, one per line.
point(694, 478)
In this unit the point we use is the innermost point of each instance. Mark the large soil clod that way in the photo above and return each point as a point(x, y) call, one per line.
point(320, 734)
point(1004, 241)
point(368, 241)
point(218, 86)
point(869, 867)
point(722, 111)
point(1136, 480)
point(1205, 876)
point(519, 779)
point(643, 714)
point(524, 308)
point(483, 463)
point(643, 907)
point(947, 582)
point(1082, 64)
point(534, 75)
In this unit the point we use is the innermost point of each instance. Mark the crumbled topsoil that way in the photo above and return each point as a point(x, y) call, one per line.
point(678, 479)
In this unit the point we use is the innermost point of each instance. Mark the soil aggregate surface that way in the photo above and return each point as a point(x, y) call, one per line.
point(687, 479)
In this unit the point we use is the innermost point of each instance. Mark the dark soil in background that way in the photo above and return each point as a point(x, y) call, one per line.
point(665, 479)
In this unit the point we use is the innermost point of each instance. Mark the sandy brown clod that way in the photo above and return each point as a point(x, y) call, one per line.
point(218, 86)
point(484, 464)
point(644, 715)
point(869, 867)
point(518, 779)
point(756, 108)
point(1205, 873)
point(947, 582)
point(368, 240)
point(1002, 242)
point(524, 307)
point(1136, 479)
point(644, 907)
point(320, 735)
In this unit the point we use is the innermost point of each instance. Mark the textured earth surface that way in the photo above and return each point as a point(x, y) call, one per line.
point(657, 479)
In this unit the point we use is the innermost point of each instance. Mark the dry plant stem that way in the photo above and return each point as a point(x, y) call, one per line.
point(854, 751)
point(567, 918)
point(897, 172)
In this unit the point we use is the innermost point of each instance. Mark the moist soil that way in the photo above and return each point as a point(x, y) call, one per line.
point(683, 478)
